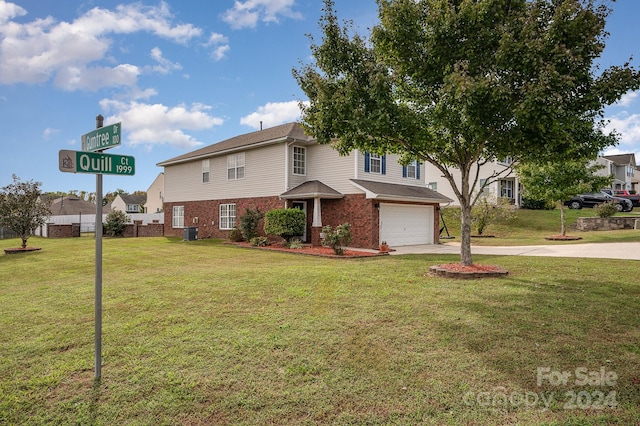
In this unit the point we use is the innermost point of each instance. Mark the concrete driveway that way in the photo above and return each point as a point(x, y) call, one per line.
point(592, 250)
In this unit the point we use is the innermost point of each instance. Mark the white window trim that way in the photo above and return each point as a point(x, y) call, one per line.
point(236, 162)
point(296, 159)
point(378, 159)
point(177, 217)
point(412, 167)
point(226, 217)
point(205, 171)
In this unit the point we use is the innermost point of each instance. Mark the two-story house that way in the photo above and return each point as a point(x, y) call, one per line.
point(623, 168)
point(283, 167)
point(502, 181)
point(129, 203)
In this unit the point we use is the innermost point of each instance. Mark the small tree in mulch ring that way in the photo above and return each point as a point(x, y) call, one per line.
point(336, 238)
point(23, 210)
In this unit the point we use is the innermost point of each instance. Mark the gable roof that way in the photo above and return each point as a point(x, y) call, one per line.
point(312, 189)
point(395, 192)
point(71, 205)
point(133, 199)
point(622, 159)
point(281, 133)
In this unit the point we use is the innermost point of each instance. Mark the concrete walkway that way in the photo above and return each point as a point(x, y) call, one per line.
point(591, 250)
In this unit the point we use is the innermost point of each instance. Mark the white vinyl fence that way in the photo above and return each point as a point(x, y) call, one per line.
point(88, 221)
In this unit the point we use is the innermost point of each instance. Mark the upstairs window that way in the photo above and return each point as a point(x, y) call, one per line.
point(374, 163)
point(205, 171)
point(411, 171)
point(235, 166)
point(299, 160)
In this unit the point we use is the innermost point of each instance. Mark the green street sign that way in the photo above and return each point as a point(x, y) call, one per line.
point(102, 138)
point(96, 163)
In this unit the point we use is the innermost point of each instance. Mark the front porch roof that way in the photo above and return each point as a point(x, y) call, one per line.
point(312, 189)
point(395, 192)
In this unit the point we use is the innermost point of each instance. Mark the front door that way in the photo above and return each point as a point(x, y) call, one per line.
point(302, 205)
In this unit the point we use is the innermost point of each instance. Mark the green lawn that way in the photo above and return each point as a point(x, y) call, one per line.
point(204, 333)
point(530, 227)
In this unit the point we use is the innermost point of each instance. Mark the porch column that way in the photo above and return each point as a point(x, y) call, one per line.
point(316, 225)
point(317, 214)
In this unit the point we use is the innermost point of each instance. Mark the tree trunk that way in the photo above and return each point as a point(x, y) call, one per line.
point(465, 233)
point(562, 220)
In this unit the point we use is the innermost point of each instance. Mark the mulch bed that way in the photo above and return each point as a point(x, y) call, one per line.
point(314, 251)
point(456, 270)
point(20, 250)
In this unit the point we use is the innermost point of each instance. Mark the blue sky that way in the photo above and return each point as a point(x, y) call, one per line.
point(178, 76)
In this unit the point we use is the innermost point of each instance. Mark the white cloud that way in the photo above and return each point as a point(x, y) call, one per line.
point(247, 14)
point(9, 11)
point(164, 65)
point(220, 46)
point(48, 132)
point(627, 126)
point(272, 114)
point(627, 99)
point(157, 124)
point(67, 52)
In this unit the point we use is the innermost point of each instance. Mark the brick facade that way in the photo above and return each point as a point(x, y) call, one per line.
point(63, 231)
point(208, 214)
point(361, 213)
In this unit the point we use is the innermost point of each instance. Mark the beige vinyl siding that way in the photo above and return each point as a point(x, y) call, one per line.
point(432, 174)
point(393, 172)
point(264, 176)
point(155, 195)
point(326, 165)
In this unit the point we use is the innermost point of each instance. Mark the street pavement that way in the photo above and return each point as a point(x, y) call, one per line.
point(588, 250)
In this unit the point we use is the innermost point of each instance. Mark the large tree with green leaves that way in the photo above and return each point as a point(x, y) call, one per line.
point(22, 209)
point(458, 83)
point(558, 181)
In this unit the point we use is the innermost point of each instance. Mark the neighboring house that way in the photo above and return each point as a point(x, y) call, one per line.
point(623, 167)
point(282, 167)
point(155, 195)
point(503, 182)
point(71, 205)
point(129, 203)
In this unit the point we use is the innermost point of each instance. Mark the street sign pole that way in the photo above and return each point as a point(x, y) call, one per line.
point(98, 284)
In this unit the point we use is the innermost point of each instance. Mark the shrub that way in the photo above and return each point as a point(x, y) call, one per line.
point(605, 209)
point(259, 241)
point(248, 223)
point(295, 244)
point(115, 223)
point(235, 235)
point(489, 210)
point(336, 238)
point(530, 204)
point(287, 223)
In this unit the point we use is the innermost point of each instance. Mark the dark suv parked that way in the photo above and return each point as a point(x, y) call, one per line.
point(596, 198)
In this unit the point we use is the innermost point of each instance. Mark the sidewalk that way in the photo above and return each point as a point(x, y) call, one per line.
point(629, 251)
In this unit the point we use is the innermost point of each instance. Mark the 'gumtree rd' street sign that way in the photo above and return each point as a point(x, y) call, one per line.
point(102, 138)
point(96, 163)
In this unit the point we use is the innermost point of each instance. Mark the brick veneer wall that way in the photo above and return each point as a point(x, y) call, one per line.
point(361, 213)
point(137, 229)
point(63, 231)
point(209, 211)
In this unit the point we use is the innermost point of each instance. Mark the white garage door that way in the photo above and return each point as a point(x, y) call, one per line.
point(405, 225)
